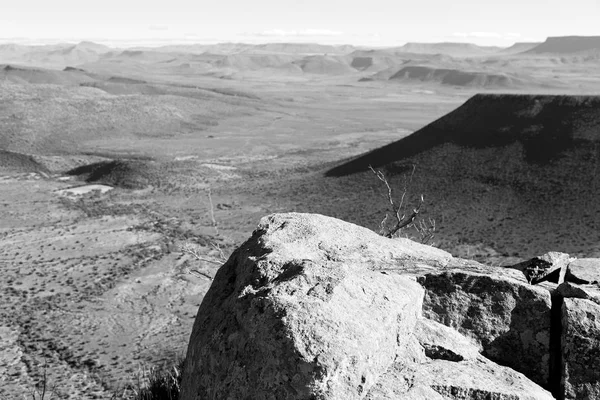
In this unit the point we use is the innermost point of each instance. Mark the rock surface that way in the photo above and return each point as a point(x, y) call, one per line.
point(581, 349)
point(584, 270)
point(442, 342)
point(300, 312)
point(586, 292)
point(311, 307)
point(442, 379)
point(508, 318)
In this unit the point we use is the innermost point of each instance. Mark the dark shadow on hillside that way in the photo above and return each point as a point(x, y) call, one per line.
point(545, 125)
point(128, 174)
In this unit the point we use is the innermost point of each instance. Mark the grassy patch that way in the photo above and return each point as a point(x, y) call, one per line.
point(157, 383)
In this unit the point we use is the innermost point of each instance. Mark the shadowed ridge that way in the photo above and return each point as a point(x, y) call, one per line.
point(128, 174)
point(546, 126)
point(455, 77)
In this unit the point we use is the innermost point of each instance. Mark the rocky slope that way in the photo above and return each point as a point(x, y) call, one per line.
point(311, 307)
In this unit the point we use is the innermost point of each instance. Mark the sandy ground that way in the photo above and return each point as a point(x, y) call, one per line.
point(87, 300)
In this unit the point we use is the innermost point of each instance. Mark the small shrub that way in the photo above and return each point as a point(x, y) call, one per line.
point(154, 384)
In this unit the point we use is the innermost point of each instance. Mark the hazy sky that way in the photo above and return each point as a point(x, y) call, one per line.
point(373, 22)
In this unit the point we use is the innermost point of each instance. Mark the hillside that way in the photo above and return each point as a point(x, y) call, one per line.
point(519, 47)
point(567, 44)
point(28, 75)
point(53, 56)
point(546, 126)
point(515, 174)
point(54, 119)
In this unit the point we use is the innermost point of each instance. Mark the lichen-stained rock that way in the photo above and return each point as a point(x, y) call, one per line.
point(302, 310)
point(581, 349)
point(508, 318)
point(465, 380)
point(584, 270)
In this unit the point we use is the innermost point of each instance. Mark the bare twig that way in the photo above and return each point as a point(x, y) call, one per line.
point(201, 273)
point(212, 212)
point(402, 220)
point(44, 389)
point(426, 230)
point(190, 249)
point(220, 250)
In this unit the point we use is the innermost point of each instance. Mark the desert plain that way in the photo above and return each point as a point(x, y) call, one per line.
point(113, 160)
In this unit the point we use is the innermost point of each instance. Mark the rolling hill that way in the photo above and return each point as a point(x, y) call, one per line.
point(56, 119)
point(28, 75)
point(53, 56)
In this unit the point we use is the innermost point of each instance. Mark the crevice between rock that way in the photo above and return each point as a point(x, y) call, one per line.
point(555, 383)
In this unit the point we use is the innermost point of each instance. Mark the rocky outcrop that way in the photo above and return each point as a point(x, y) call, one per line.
point(302, 310)
point(585, 292)
point(508, 318)
point(581, 349)
point(311, 307)
point(584, 270)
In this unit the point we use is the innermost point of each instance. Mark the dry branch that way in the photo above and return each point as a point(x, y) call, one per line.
point(212, 212)
point(402, 220)
point(190, 249)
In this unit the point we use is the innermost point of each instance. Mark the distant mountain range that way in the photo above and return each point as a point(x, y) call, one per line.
point(565, 44)
point(453, 64)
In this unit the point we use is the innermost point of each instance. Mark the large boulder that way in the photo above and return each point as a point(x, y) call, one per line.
point(311, 307)
point(580, 349)
point(300, 311)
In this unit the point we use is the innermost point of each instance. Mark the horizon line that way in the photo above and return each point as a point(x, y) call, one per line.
point(157, 42)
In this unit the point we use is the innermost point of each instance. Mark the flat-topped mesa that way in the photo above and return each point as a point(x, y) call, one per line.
point(311, 307)
point(567, 44)
point(546, 126)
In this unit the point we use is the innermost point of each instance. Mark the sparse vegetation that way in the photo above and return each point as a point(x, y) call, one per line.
point(43, 391)
point(157, 383)
point(196, 251)
point(399, 217)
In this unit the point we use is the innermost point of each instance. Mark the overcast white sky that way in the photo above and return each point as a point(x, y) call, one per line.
point(371, 22)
